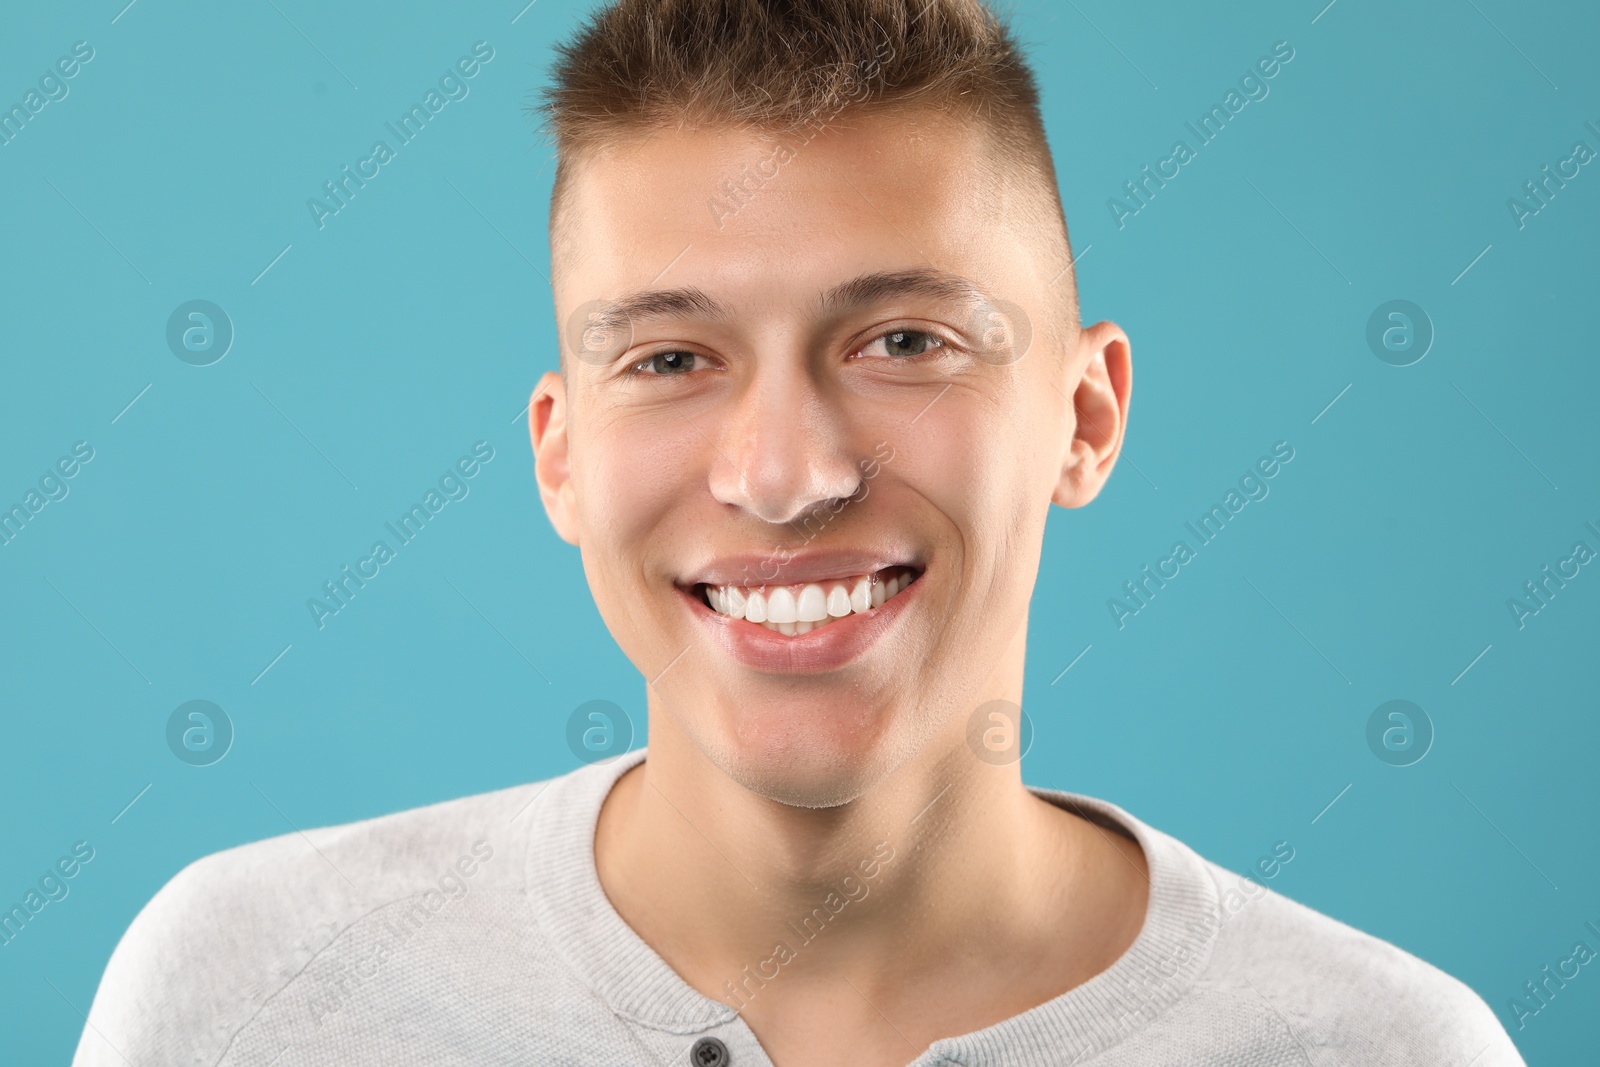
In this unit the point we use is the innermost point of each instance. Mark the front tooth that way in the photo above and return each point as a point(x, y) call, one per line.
point(879, 594)
point(734, 597)
point(812, 606)
point(838, 602)
point(780, 605)
point(786, 629)
point(861, 594)
point(804, 626)
point(755, 608)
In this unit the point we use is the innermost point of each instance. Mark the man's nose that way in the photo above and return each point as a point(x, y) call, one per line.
point(784, 448)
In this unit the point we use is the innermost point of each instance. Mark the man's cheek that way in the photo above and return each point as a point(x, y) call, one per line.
point(631, 521)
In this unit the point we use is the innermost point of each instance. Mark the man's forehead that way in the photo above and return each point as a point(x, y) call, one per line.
point(752, 183)
point(730, 207)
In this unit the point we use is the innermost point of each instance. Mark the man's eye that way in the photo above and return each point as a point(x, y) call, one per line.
point(902, 344)
point(664, 363)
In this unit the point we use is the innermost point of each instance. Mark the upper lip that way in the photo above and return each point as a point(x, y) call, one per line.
point(780, 567)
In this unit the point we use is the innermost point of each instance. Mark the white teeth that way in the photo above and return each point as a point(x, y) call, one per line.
point(861, 594)
point(812, 605)
point(799, 609)
point(780, 605)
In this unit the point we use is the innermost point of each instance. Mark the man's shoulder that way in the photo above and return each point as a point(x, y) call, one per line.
point(234, 927)
point(373, 857)
point(1334, 985)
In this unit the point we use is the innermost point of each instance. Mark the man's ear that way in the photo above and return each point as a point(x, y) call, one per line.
point(1100, 403)
point(552, 458)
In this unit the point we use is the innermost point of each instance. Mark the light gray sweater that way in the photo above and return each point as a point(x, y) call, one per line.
point(476, 932)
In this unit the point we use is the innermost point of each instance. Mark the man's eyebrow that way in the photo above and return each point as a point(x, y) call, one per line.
point(656, 304)
point(862, 291)
point(882, 286)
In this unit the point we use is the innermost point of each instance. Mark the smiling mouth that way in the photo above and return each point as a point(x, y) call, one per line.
point(793, 610)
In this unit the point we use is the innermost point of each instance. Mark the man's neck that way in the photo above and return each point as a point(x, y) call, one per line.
point(948, 875)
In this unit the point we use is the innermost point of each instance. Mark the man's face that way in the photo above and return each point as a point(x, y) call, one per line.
point(767, 426)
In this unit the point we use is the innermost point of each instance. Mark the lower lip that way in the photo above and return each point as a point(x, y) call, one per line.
point(824, 649)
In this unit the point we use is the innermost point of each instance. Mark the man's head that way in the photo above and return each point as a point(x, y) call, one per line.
point(818, 324)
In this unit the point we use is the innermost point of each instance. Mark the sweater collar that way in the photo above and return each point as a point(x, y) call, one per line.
point(579, 922)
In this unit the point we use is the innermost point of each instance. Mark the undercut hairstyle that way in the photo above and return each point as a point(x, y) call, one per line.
point(793, 68)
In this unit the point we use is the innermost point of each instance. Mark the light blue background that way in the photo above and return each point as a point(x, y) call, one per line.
point(1229, 712)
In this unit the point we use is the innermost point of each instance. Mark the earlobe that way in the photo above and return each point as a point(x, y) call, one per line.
point(552, 458)
point(1100, 402)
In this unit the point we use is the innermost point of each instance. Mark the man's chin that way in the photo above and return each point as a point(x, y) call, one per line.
point(805, 752)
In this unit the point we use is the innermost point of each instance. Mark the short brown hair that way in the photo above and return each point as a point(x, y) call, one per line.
point(785, 65)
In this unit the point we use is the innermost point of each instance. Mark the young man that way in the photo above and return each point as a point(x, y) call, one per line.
point(822, 378)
